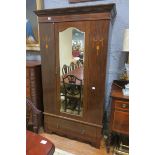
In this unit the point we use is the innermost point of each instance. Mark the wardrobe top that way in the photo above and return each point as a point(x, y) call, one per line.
point(110, 8)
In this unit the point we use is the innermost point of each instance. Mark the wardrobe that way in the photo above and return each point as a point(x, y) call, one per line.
point(84, 30)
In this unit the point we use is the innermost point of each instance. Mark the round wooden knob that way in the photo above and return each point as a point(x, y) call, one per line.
point(124, 105)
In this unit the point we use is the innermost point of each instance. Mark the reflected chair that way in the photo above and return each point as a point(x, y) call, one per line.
point(72, 66)
point(33, 116)
point(65, 69)
point(78, 63)
point(73, 89)
point(81, 57)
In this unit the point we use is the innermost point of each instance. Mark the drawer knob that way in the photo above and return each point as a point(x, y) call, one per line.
point(49, 18)
point(124, 105)
point(93, 88)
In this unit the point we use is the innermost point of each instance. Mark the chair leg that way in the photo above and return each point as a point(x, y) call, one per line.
point(108, 142)
point(65, 104)
point(35, 129)
point(79, 108)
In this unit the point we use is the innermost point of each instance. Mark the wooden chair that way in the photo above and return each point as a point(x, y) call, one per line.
point(73, 92)
point(65, 69)
point(33, 116)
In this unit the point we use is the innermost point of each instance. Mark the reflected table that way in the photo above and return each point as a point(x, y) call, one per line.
point(38, 145)
point(78, 72)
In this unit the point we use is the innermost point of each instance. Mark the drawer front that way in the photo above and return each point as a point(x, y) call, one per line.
point(78, 128)
point(27, 72)
point(120, 122)
point(70, 128)
point(27, 82)
point(33, 73)
point(121, 105)
point(28, 92)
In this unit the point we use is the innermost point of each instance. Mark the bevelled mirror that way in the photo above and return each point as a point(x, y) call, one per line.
point(71, 61)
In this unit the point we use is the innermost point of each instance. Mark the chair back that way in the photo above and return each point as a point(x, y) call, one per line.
point(78, 63)
point(33, 114)
point(72, 85)
point(72, 66)
point(65, 69)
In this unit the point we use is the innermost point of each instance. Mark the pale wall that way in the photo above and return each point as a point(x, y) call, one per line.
point(65, 46)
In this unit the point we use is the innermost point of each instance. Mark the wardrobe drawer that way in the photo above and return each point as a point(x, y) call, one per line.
point(70, 128)
point(78, 128)
point(121, 105)
point(51, 123)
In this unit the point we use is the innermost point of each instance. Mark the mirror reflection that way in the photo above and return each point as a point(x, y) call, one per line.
point(71, 58)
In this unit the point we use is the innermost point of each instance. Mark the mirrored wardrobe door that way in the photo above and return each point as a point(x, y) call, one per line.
point(71, 60)
point(70, 76)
